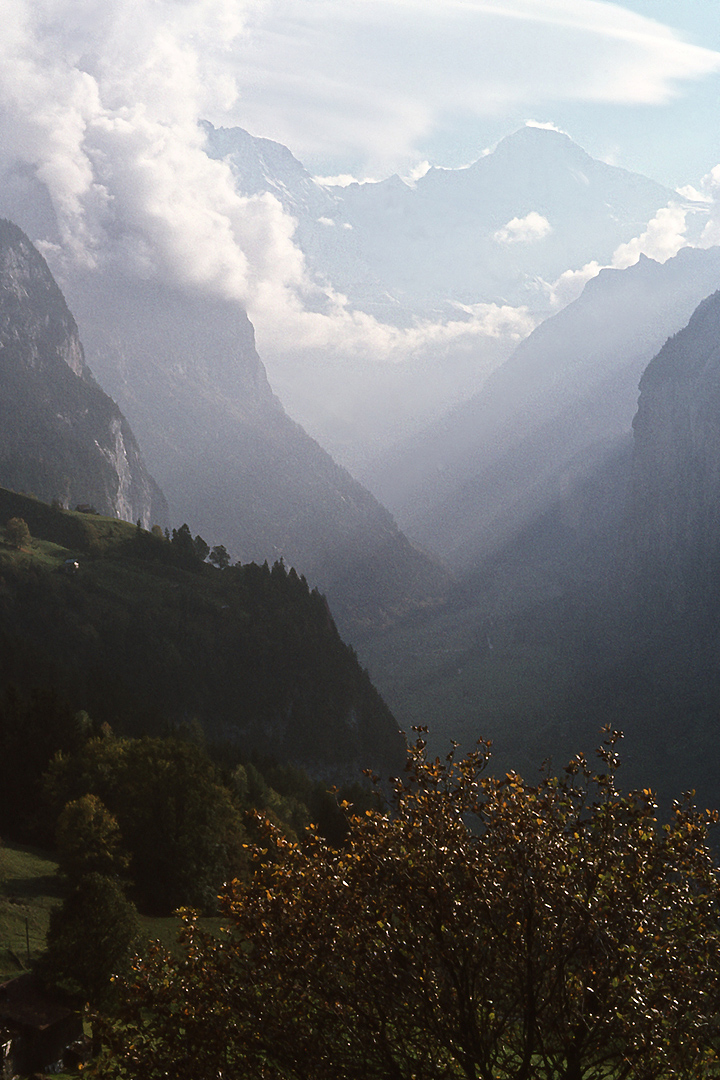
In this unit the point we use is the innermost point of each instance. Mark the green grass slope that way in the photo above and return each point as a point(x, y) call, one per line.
point(29, 890)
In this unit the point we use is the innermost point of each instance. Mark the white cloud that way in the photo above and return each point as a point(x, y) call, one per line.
point(706, 197)
point(545, 126)
point(692, 194)
point(343, 180)
point(101, 101)
point(371, 80)
point(570, 284)
point(348, 333)
point(526, 230)
point(663, 237)
point(416, 173)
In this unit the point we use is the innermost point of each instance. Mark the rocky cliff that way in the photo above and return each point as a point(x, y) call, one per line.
point(674, 531)
point(61, 436)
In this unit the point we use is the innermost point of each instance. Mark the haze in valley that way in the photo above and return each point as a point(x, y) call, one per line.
point(375, 284)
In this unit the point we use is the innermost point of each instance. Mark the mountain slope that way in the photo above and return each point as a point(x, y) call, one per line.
point(444, 238)
point(440, 239)
point(674, 532)
point(466, 483)
point(61, 436)
point(477, 248)
point(232, 463)
point(144, 636)
point(603, 608)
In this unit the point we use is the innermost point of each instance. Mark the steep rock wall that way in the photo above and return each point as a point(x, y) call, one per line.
point(61, 436)
point(674, 528)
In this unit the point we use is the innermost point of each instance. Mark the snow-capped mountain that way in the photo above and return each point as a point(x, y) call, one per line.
point(453, 271)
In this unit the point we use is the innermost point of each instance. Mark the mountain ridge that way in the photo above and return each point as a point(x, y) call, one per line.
point(572, 382)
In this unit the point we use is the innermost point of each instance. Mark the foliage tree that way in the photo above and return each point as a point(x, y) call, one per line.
point(485, 928)
point(33, 728)
point(88, 840)
point(17, 532)
point(186, 551)
point(90, 938)
point(177, 820)
point(202, 548)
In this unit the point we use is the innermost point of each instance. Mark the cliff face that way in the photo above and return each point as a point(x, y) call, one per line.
point(675, 497)
point(61, 436)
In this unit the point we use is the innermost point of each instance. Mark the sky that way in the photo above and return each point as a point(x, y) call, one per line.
point(99, 102)
point(370, 86)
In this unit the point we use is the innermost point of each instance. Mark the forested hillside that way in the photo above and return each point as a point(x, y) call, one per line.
point(144, 635)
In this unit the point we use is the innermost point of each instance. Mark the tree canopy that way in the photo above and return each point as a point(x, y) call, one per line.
point(177, 820)
point(17, 532)
point(484, 927)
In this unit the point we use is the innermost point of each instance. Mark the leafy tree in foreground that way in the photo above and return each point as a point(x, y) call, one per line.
point(486, 928)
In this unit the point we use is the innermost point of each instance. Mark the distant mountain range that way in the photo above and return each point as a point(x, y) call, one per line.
point(602, 604)
point(233, 465)
point(498, 232)
point(585, 556)
point(397, 248)
point(231, 462)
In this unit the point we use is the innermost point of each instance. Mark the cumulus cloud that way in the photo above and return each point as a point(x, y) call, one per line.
point(343, 180)
point(545, 125)
point(101, 103)
point(663, 237)
point(526, 230)
point(570, 284)
point(706, 199)
point(347, 332)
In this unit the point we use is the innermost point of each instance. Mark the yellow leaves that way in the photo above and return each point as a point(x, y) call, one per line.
point(428, 921)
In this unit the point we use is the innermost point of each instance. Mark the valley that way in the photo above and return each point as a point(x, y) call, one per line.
point(359, 540)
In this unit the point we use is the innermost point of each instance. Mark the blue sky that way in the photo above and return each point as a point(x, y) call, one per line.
point(366, 86)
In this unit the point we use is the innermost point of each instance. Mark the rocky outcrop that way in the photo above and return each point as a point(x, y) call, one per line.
point(61, 436)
